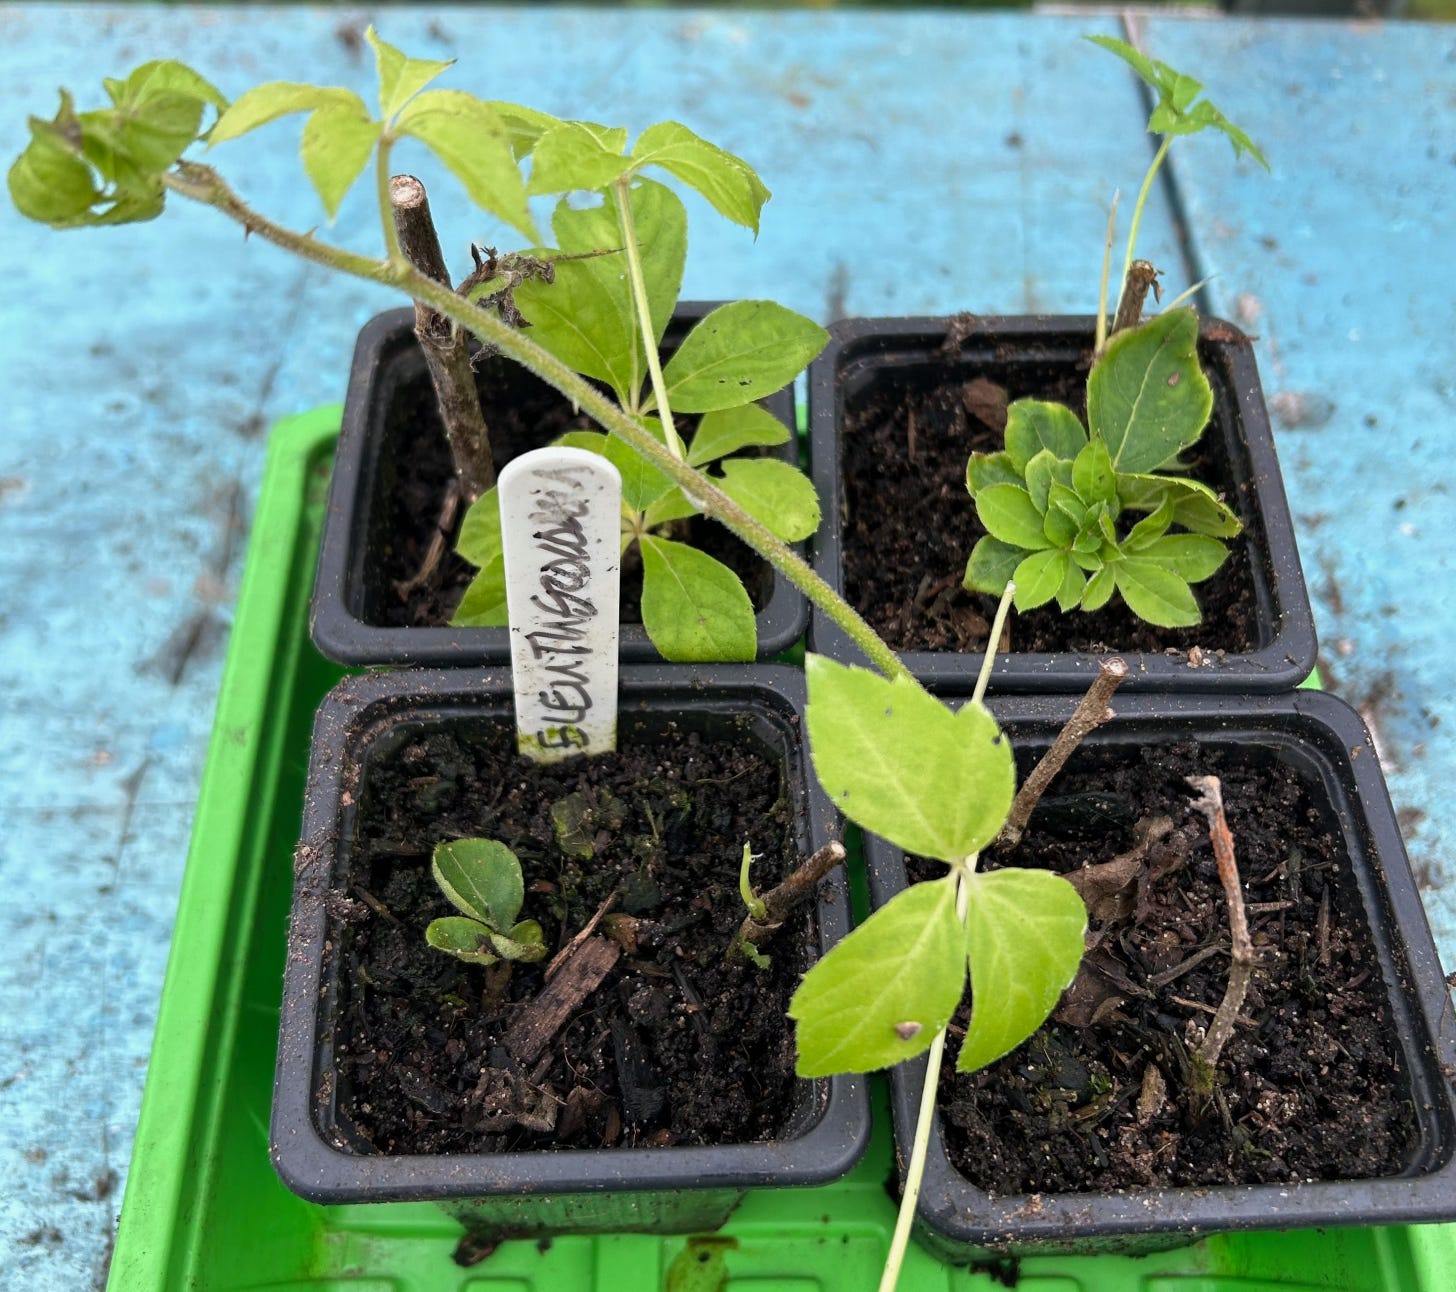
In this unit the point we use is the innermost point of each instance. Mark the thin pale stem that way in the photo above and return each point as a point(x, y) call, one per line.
point(644, 315)
point(381, 181)
point(1142, 198)
point(1106, 273)
point(202, 184)
point(998, 626)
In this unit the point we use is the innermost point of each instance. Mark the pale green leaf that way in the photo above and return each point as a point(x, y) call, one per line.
point(1147, 398)
point(337, 144)
point(905, 965)
point(740, 353)
point(591, 441)
point(730, 429)
point(577, 155)
point(49, 182)
point(1009, 514)
point(1040, 577)
point(480, 878)
point(991, 565)
point(400, 78)
point(524, 942)
point(462, 938)
point(778, 495)
point(1099, 589)
point(1025, 931)
point(900, 763)
point(1150, 528)
point(1033, 425)
point(1193, 557)
point(268, 102)
point(466, 134)
point(1093, 478)
point(1040, 476)
point(479, 541)
point(642, 483)
point(524, 126)
point(1155, 593)
point(1073, 585)
point(728, 182)
point(1195, 506)
point(166, 77)
point(673, 505)
point(986, 469)
point(694, 608)
point(484, 602)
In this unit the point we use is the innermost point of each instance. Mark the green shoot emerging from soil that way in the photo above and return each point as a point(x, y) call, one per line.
point(604, 315)
point(482, 880)
point(1053, 499)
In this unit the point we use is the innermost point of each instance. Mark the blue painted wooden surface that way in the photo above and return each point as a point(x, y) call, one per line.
point(921, 162)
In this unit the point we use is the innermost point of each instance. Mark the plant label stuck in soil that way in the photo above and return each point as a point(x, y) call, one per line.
point(561, 511)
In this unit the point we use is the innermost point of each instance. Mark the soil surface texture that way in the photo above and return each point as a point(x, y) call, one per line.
point(910, 522)
point(673, 1045)
point(1106, 1096)
point(523, 413)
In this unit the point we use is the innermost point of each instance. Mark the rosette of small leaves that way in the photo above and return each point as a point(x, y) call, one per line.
point(936, 782)
point(693, 606)
point(482, 880)
point(104, 167)
point(1056, 501)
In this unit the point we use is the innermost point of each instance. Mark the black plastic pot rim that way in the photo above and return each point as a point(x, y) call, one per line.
point(1313, 727)
point(1283, 659)
point(335, 623)
point(314, 1168)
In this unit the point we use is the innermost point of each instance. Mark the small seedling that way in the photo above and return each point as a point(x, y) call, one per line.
point(757, 911)
point(482, 879)
point(1052, 500)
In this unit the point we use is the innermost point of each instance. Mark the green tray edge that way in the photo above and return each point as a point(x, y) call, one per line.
point(179, 1194)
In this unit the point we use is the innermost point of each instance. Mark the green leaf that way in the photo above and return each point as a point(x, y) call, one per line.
point(466, 134)
point(337, 144)
point(1061, 527)
point(673, 505)
point(730, 429)
point(1040, 476)
point(484, 602)
point(1033, 425)
point(400, 78)
point(1009, 514)
point(694, 607)
point(479, 541)
point(898, 762)
point(1155, 593)
point(1073, 584)
point(1025, 931)
point(1150, 528)
point(780, 496)
point(1147, 397)
point(986, 469)
point(164, 78)
point(903, 965)
point(462, 938)
point(642, 483)
point(1093, 478)
point(991, 565)
point(48, 181)
point(577, 155)
point(740, 353)
point(524, 942)
point(1139, 62)
point(586, 317)
point(524, 126)
point(1040, 577)
point(268, 102)
point(480, 878)
point(728, 182)
point(1195, 506)
point(1099, 589)
point(1193, 557)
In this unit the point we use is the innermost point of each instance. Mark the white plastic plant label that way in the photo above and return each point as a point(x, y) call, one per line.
point(561, 522)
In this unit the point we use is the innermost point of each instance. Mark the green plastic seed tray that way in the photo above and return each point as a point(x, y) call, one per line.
point(204, 1210)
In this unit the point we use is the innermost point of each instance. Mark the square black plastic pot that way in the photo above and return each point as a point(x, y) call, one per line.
point(497, 1195)
point(1326, 743)
point(871, 355)
point(345, 615)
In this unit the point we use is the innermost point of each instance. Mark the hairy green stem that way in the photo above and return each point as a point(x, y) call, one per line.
point(203, 184)
point(643, 311)
point(1142, 197)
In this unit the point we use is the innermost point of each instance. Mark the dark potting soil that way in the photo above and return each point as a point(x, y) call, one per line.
point(675, 1046)
point(911, 524)
point(523, 413)
point(1309, 1086)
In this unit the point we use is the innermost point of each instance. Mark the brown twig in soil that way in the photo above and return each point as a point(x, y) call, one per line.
point(439, 541)
point(541, 1018)
point(1210, 803)
point(1140, 276)
point(446, 350)
point(780, 901)
point(1090, 714)
point(587, 930)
